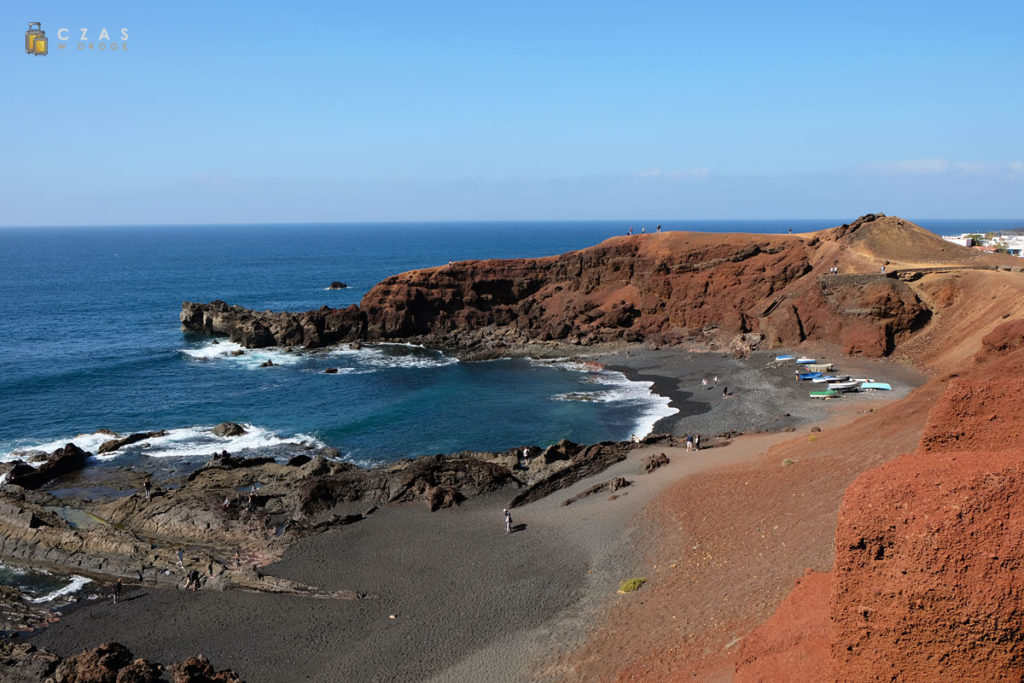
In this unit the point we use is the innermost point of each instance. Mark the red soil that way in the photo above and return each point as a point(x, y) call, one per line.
point(923, 548)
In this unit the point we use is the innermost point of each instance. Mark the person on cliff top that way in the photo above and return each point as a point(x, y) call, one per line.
point(658, 229)
point(117, 591)
point(508, 521)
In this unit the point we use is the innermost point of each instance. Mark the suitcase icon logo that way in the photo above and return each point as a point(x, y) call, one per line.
point(35, 39)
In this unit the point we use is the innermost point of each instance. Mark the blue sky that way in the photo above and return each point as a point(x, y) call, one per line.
point(267, 112)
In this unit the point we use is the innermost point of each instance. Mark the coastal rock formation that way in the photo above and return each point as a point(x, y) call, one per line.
point(255, 329)
point(225, 429)
point(114, 444)
point(44, 467)
point(108, 662)
point(662, 288)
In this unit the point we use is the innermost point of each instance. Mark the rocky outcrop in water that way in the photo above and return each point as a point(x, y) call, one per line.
point(43, 468)
point(662, 288)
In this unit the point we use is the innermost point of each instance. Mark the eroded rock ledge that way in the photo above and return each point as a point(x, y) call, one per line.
point(662, 288)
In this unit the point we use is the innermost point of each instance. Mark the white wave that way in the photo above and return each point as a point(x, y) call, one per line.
point(181, 442)
point(87, 442)
point(201, 441)
point(370, 358)
point(249, 358)
point(76, 584)
point(622, 390)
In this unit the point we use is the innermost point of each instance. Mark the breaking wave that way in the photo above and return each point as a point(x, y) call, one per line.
point(181, 442)
point(617, 389)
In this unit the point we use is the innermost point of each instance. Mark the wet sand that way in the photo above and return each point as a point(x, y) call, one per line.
point(470, 602)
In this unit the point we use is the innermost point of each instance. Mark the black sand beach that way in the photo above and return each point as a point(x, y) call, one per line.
point(469, 601)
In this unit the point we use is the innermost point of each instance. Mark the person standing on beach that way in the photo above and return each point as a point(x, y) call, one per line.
point(716, 380)
point(508, 521)
point(181, 559)
point(117, 591)
point(689, 442)
point(696, 442)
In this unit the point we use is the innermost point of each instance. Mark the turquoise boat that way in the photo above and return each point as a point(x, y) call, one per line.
point(827, 393)
point(875, 386)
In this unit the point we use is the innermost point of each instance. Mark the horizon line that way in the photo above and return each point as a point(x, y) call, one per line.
point(626, 222)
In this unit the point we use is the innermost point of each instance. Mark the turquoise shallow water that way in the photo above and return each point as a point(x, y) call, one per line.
point(90, 339)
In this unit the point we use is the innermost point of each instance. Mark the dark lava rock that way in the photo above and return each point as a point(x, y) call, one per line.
point(338, 285)
point(267, 364)
point(114, 444)
point(196, 669)
point(655, 461)
point(331, 371)
point(299, 460)
point(22, 662)
point(61, 461)
point(101, 664)
point(229, 429)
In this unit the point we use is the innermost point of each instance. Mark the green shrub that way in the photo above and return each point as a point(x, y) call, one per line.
point(787, 462)
point(631, 585)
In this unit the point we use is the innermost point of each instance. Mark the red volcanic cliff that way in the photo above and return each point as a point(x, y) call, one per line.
point(928, 550)
point(663, 288)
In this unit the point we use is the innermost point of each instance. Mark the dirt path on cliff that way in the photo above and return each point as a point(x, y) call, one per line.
point(721, 547)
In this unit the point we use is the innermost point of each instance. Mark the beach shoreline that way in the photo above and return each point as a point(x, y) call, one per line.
point(467, 599)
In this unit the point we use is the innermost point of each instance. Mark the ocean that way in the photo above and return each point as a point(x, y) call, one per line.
point(90, 339)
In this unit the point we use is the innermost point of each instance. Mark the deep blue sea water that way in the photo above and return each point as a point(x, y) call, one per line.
point(89, 338)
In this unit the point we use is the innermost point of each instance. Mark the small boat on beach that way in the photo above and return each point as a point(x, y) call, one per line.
point(804, 361)
point(782, 358)
point(819, 367)
point(832, 378)
point(808, 375)
point(844, 386)
point(826, 393)
point(875, 386)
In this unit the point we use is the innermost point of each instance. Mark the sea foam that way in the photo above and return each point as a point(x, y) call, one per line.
point(74, 586)
point(182, 442)
point(618, 389)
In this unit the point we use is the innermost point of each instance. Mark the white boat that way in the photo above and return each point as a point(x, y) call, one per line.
point(844, 386)
point(804, 361)
point(782, 358)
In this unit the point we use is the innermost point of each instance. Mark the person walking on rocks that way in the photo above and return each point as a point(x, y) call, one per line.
point(508, 521)
point(147, 486)
point(181, 559)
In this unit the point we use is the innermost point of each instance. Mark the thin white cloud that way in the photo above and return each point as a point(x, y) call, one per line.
point(674, 173)
point(942, 166)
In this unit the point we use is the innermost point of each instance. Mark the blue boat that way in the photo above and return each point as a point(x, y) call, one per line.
point(804, 361)
point(784, 357)
point(809, 375)
point(875, 386)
